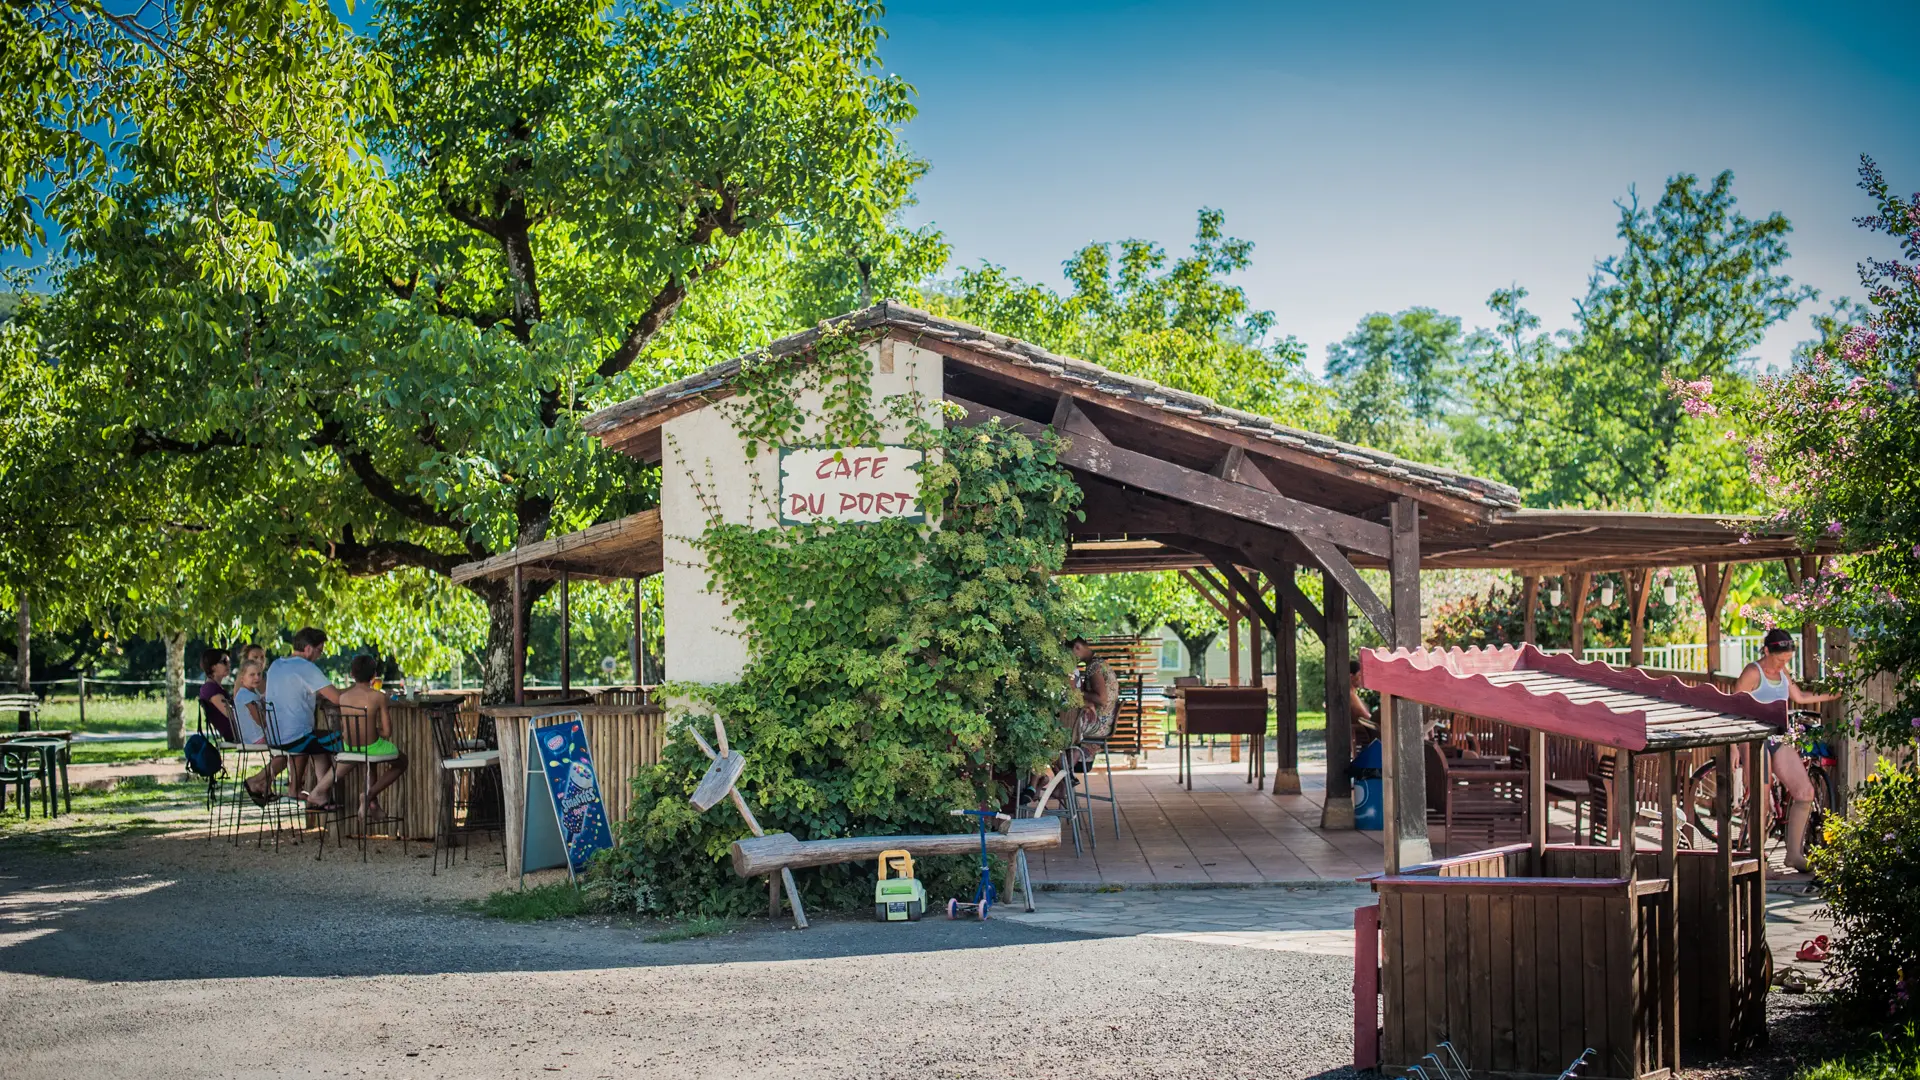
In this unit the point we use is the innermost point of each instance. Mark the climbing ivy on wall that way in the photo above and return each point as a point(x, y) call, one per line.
point(895, 671)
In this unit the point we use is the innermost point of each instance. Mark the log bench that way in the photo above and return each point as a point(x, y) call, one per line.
point(757, 856)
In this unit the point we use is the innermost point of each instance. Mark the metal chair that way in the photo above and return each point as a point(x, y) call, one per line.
point(462, 768)
point(355, 723)
point(21, 763)
point(285, 802)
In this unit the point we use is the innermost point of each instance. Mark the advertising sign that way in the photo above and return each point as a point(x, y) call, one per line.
point(849, 484)
point(573, 791)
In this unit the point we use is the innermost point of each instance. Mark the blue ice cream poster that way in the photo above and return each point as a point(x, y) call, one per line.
point(575, 790)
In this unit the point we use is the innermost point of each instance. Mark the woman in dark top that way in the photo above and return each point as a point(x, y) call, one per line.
point(216, 706)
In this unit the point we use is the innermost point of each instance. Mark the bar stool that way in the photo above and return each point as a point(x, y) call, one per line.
point(366, 761)
point(461, 766)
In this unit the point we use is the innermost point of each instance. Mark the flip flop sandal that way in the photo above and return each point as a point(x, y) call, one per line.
point(1792, 982)
point(259, 799)
point(1814, 951)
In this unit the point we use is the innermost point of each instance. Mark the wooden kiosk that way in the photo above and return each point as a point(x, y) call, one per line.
point(1524, 956)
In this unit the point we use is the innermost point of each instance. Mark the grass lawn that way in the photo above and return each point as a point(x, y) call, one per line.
point(138, 807)
point(85, 753)
point(108, 714)
point(538, 904)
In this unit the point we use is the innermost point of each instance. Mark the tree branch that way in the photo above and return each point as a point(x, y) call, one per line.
point(333, 434)
point(379, 556)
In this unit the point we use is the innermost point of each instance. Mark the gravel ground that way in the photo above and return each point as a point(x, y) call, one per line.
point(113, 963)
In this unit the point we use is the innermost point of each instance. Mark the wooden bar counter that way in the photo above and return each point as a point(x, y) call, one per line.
point(623, 739)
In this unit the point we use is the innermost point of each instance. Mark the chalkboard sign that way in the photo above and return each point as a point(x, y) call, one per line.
point(559, 753)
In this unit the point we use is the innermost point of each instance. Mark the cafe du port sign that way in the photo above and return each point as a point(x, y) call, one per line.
point(849, 484)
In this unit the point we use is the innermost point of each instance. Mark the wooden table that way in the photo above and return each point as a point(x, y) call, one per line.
point(1224, 710)
point(623, 739)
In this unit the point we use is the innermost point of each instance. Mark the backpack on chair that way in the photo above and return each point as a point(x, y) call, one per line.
point(203, 757)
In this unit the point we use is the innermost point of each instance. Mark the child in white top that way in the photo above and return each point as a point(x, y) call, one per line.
point(249, 708)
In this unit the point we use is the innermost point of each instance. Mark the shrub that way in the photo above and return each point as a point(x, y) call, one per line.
point(1870, 868)
point(894, 673)
point(1893, 1058)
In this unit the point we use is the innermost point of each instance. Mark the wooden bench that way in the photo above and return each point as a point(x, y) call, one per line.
point(758, 856)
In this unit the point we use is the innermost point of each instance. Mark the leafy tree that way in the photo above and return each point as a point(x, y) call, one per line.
point(1392, 381)
point(1695, 287)
point(1837, 442)
point(1178, 322)
point(553, 184)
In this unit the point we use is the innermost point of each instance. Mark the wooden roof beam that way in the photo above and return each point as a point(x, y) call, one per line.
point(1312, 524)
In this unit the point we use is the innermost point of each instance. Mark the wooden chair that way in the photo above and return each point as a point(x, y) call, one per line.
point(357, 723)
point(1486, 806)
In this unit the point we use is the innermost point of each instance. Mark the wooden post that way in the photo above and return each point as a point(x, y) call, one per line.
point(566, 637)
point(1669, 938)
point(1233, 662)
point(1390, 792)
point(1337, 811)
point(1581, 583)
point(519, 637)
point(1809, 631)
point(1623, 810)
point(1537, 796)
point(1286, 684)
point(83, 698)
point(1721, 918)
point(1712, 578)
point(1639, 585)
point(23, 656)
point(1403, 729)
point(1530, 600)
point(639, 644)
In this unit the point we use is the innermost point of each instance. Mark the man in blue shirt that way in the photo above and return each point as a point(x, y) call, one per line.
point(295, 684)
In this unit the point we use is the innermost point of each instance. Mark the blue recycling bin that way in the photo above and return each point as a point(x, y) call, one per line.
point(1369, 799)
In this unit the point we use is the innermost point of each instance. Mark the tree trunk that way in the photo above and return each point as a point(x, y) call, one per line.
point(24, 657)
point(176, 689)
point(496, 671)
point(1196, 646)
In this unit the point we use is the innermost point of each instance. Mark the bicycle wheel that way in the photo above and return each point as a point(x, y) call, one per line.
point(1702, 791)
point(1823, 801)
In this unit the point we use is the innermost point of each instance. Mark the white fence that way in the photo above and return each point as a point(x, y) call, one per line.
point(1736, 652)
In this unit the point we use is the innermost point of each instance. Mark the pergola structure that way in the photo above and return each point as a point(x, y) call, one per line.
point(1173, 480)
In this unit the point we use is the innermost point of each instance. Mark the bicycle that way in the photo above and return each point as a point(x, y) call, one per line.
point(1703, 786)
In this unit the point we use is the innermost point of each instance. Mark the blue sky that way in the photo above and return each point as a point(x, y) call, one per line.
point(1387, 155)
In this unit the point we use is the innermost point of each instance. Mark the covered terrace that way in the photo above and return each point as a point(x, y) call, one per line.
point(1173, 480)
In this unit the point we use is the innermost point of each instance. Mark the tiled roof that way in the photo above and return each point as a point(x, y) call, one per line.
point(1083, 374)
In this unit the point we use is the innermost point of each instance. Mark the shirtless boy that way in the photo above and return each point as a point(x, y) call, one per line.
point(367, 728)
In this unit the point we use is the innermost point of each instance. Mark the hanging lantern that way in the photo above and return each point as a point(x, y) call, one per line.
point(1553, 595)
point(1671, 592)
point(1606, 595)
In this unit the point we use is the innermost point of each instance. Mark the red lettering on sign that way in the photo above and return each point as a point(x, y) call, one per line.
point(796, 505)
point(821, 472)
point(879, 466)
point(866, 502)
point(848, 501)
point(883, 502)
point(843, 468)
point(907, 501)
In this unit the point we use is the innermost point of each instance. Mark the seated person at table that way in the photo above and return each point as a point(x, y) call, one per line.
point(249, 704)
point(294, 684)
point(216, 709)
point(367, 728)
point(1364, 729)
point(1091, 723)
point(254, 654)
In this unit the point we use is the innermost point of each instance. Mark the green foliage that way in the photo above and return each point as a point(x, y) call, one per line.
point(1181, 325)
point(1499, 617)
point(1869, 870)
point(1695, 287)
point(1887, 1056)
point(559, 900)
point(385, 367)
point(895, 672)
point(1393, 382)
point(1836, 442)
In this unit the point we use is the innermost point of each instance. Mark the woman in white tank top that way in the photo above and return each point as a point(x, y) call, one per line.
point(1767, 680)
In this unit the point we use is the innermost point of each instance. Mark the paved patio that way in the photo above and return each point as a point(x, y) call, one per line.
point(1223, 832)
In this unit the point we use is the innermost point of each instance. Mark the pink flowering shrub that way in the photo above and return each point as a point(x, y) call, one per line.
point(1835, 442)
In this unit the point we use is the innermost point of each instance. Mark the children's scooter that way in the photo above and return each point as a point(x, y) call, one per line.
point(983, 894)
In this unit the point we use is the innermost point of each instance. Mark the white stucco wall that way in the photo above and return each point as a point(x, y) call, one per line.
point(704, 468)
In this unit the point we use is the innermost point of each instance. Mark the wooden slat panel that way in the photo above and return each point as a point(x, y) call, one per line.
point(1435, 905)
point(1526, 993)
point(1547, 982)
point(1572, 989)
point(1480, 997)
